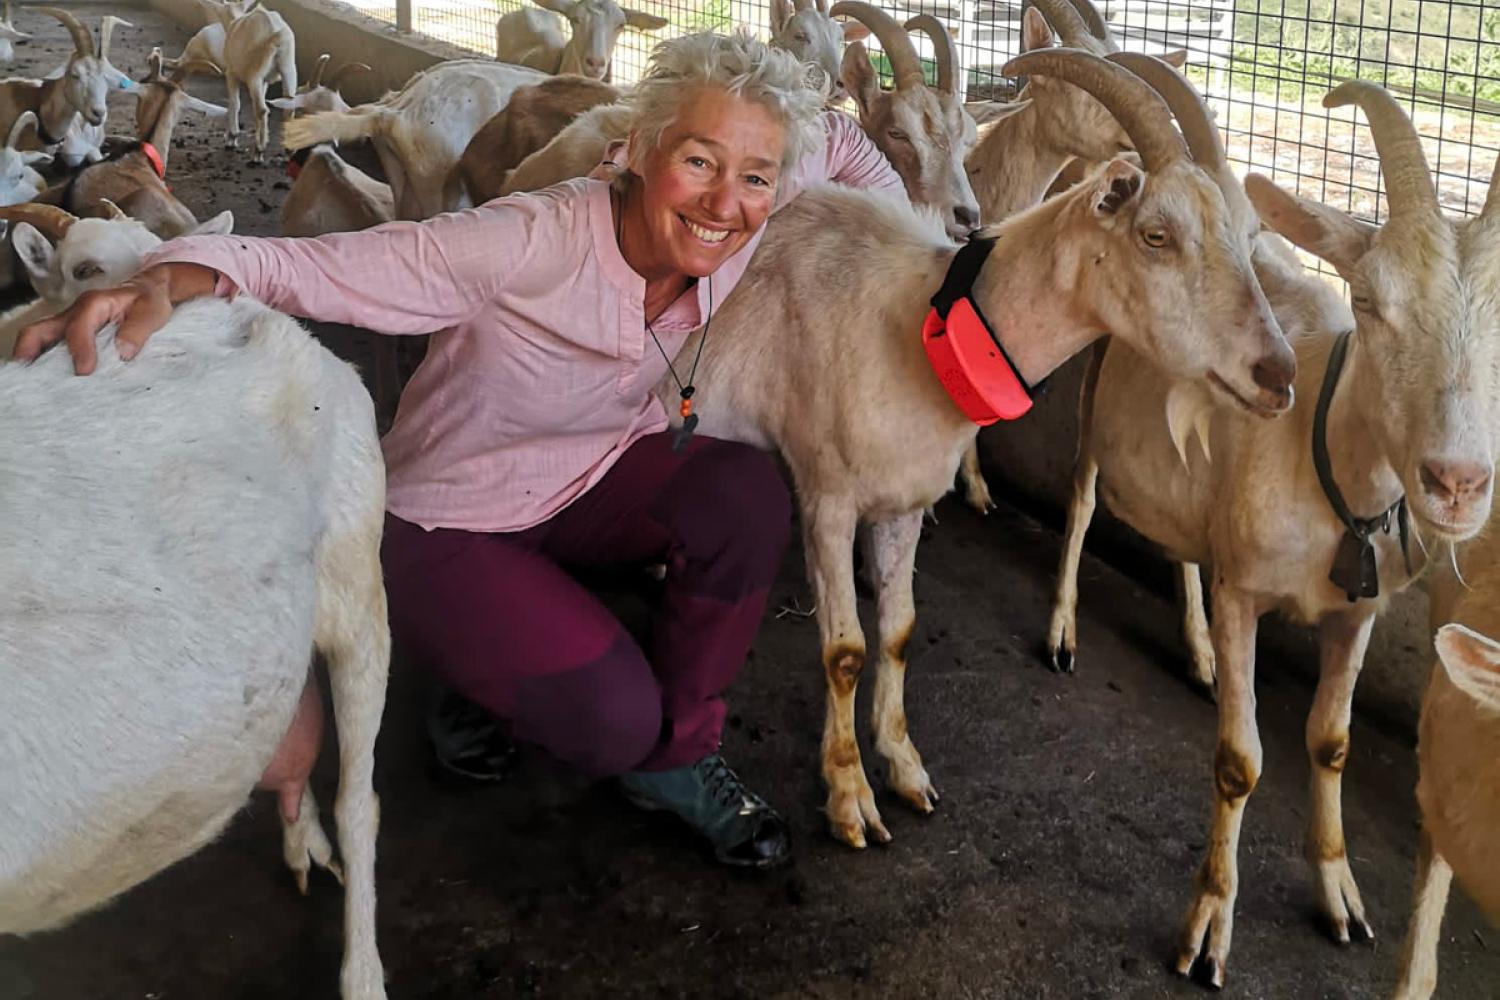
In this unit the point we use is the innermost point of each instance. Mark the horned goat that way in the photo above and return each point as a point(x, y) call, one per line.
point(807, 30)
point(9, 34)
point(1410, 428)
point(80, 89)
point(924, 131)
point(1148, 258)
point(329, 195)
point(19, 180)
point(134, 176)
point(534, 37)
point(207, 45)
point(65, 256)
point(238, 531)
point(420, 132)
point(259, 49)
point(1459, 788)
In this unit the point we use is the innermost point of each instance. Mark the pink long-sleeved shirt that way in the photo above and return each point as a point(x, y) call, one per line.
point(540, 370)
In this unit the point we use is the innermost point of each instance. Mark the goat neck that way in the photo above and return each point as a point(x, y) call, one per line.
point(1361, 467)
point(1011, 168)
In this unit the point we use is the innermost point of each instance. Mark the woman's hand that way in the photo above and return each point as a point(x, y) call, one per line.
point(141, 306)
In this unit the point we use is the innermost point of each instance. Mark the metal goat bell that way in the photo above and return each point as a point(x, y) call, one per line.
point(1355, 570)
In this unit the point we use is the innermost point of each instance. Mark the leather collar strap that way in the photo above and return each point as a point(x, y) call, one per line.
point(1354, 567)
point(962, 348)
point(45, 136)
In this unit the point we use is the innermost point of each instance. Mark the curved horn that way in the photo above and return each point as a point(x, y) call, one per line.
point(905, 65)
point(1143, 115)
point(188, 67)
point(83, 42)
point(943, 47)
point(1065, 20)
point(1093, 19)
point(1186, 104)
point(337, 80)
point(111, 210)
point(27, 118)
point(1408, 181)
point(51, 221)
point(107, 32)
point(317, 73)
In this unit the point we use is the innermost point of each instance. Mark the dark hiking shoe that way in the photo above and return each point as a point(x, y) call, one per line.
point(738, 824)
point(466, 739)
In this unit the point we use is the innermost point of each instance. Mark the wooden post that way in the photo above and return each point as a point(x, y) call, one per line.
point(403, 15)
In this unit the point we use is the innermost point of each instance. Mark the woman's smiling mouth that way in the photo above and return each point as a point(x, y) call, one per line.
point(714, 236)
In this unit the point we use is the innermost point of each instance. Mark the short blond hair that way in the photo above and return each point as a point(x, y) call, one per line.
point(744, 66)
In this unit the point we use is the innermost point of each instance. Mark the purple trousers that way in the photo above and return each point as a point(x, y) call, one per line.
point(500, 619)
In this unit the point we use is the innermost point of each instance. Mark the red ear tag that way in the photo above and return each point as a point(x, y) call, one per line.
point(973, 369)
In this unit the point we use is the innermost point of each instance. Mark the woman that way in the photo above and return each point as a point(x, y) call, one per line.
point(529, 442)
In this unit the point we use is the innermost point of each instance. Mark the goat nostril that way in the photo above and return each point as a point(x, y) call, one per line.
point(1273, 374)
point(1452, 482)
point(966, 217)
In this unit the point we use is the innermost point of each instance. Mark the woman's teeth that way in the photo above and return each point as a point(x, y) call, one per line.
point(707, 235)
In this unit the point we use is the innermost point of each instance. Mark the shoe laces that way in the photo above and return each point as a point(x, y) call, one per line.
point(723, 784)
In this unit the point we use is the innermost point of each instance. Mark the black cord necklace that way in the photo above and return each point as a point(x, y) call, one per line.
point(689, 418)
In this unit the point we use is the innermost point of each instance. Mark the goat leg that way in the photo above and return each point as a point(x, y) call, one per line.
point(976, 490)
point(1419, 961)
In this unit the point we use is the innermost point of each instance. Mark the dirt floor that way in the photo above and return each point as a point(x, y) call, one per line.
point(1059, 864)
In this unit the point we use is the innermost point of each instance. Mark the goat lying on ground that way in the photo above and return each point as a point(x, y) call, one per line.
point(1408, 427)
point(80, 89)
point(164, 598)
point(65, 256)
point(420, 132)
point(19, 180)
point(134, 177)
point(1459, 789)
point(535, 37)
point(1151, 258)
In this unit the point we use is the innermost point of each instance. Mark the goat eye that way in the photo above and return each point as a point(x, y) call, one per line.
point(1363, 303)
point(897, 134)
point(1154, 238)
point(84, 272)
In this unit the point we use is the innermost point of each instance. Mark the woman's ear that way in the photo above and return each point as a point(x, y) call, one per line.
point(634, 152)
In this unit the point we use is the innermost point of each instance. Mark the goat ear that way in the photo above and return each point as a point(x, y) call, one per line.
point(641, 21)
point(985, 112)
point(1322, 231)
point(220, 225)
point(859, 77)
point(33, 249)
point(855, 31)
point(1177, 58)
point(781, 13)
point(1114, 187)
point(1036, 33)
point(563, 7)
point(32, 157)
point(1472, 662)
point(284, 103)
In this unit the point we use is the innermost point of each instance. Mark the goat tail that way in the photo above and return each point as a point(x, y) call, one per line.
point(331, 126)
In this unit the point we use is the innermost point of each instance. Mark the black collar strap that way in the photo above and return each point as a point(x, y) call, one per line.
point(958, 283)
point(45, 136)
point(1354, 566)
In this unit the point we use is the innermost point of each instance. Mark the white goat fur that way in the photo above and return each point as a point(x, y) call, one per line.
point(806, 30)
point(151, 674)
point(259, 48)
point(19, 180)
point(420, 132)
point(537, 38)
point(79, 89)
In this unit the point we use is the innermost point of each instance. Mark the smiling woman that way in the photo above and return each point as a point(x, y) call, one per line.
point(530, 445)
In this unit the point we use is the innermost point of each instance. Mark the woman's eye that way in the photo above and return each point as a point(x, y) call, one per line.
point(697, 161)
point(758, 181)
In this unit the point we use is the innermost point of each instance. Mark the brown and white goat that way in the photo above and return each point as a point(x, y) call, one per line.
point(1146, 257)
point(1411, 416)
point(135, 178)
point(80, 90)
point(1459, 788)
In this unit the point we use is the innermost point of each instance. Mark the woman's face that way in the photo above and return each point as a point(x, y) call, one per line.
point(709, 184)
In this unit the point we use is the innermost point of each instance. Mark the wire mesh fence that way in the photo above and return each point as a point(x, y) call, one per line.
point(1264, 66)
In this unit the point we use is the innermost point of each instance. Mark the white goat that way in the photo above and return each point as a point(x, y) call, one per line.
point(1147, 257)
point(9, 34)
point(259, 49)
point(80, 89)
point(1459, 788)
point(807, 30)
point(420, 132)
point(924, 131)
point(164, 600)
point(19, 180)
point(1410, 423)
point(535, 37)
point(89, 253)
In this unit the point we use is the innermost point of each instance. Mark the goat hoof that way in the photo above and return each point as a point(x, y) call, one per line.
point(1062, 660)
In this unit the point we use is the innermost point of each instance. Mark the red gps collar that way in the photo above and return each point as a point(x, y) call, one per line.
point(154, 158)
point(963, 349)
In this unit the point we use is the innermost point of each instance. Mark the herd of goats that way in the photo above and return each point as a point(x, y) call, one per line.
point(1106, 184)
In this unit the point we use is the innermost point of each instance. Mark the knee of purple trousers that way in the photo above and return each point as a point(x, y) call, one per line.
point(602, 718)
point(734, 519)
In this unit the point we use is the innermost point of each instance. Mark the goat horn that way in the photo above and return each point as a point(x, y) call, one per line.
point(337, 80)
point(1065, 20)
point(1186, 104)
point(51, 221)
point(107, 32)
point(27, 118)
point(1408, 181)
point(1093, 19)
point(1144, 116)
point(187, 67)
point(9, 13)
point(111, 210)
point(943, 47)
point(317, 73)
point(83, 42)
point(905, 65)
